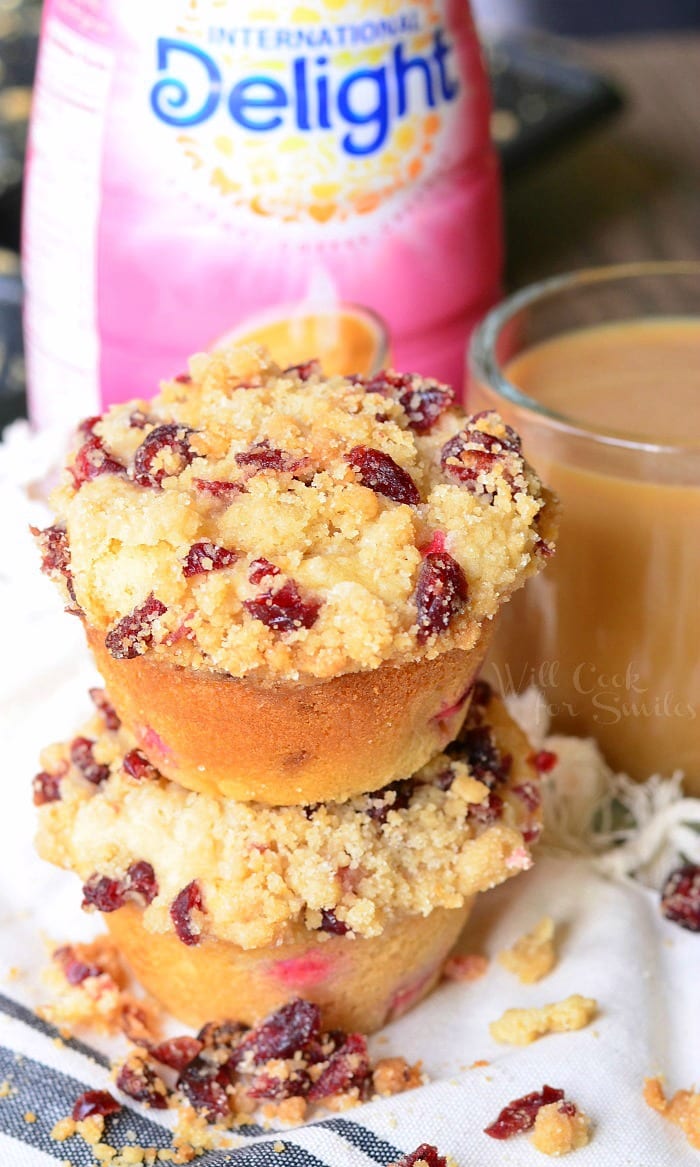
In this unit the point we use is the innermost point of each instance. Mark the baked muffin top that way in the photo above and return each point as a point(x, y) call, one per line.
point(202, 866)
point(250, 520)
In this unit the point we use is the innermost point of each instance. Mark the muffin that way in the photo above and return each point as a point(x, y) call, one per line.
point(307, 567)
point(228, 909)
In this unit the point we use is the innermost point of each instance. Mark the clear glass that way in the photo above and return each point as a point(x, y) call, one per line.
point(610, 631)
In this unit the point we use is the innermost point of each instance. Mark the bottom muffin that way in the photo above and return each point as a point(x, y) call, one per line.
point(359, 984)
point(228, 909)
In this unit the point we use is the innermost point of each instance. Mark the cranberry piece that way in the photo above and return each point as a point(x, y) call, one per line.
point(108, 895)
point(331, 923)
point(544, 761)
point(477, 747)
point(285, 1031)
point(104, 706)
point(423, 402)
point(543, 548)
point(140, 882)
point(306, 370)
point(83, 757)
point(92, 460)
point(680, 897)
point(219, 489)
point(181, 909)
point(528, 793)
point(426, 1153)
point(520, 1114)
point(284, 610)
point(380, 473)
point(170, 437)
point(94, 1102)
point(87, 425)
point(138, 420)
point(402, 789)
point(133, 634)
point(486, 813)
point(226, 1036)
point(204, 557)
point(259, 568)
point(55, 550)
point(46, 788)
point(347, 1068)
point(103, 893)
point(441, 593)
point(445, 778)
point(204, 1085)
point(262, 457)
point(264, 1085)
point(482, 693)
point(138, 766)
point(177, 1052)
point(183, 379)
point(140, 1082)
point(436, 544)
point(75, 970)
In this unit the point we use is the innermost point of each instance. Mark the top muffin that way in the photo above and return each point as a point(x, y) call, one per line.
point(254, 521)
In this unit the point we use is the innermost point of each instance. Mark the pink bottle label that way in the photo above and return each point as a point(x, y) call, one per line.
point(320, 179)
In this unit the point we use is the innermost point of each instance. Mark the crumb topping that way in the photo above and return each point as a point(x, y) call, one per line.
point(247, 873)
point(560, 1128)
point(168, 508)
point(683, 1109)
point(88, 987)
point(523, 1026)
point(533, 955)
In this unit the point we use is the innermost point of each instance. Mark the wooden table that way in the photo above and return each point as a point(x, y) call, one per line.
point(630, 190)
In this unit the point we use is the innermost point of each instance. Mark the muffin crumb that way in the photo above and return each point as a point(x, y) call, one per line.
point(523, 1026)
point(683, 1109)
point(560, 1128)
point(533, 955)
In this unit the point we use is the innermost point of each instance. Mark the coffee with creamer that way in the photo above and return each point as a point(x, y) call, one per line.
point(317, 177)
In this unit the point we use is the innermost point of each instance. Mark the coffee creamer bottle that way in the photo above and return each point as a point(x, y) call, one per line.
point(315, 175)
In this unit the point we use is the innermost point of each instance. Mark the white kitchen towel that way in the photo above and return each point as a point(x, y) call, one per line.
point(614, 946)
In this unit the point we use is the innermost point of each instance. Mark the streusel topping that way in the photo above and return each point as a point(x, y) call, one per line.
point(250, 520)
point(247, 873)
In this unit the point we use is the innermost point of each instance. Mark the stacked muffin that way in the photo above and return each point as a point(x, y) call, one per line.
point(288, 584)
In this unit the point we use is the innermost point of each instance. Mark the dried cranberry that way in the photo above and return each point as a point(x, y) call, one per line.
point(482, 693)
point(137, 766)
point(177, 1052)
point(46, 788)
point(219, 489)
point(285, 1031)
point(380, 473)
point(83, 757)
point(680, 897)
point(204, 1085)
point(261, 457)
point(543, 548)
point(138, 420)
point(348, 1068)
point(520, 1114)
point(87, 425)
point(445, 779)
point(204, 557)
point(423, 402)
point(306, 370)
point(103, 893)
point(436, 544)
point(486, 813)
point(185, 903)
point(140, 882)
point(529, 793)
point(183, 379)
point(284, 610)
point(426, 1153)
point(227, 1036)
point(441, 593)
point(295, 1085)
point(55, 550)
point(140, 1082)
point(171, 437)
point(75, 970)
point(544, 761)
point(92, 460)
point(108, 895)
point(259, 568)
point(331, 923)
point(104, 706)
point(94, 1102)
point(133, 634)
point(402, 790)
point(477, 746)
